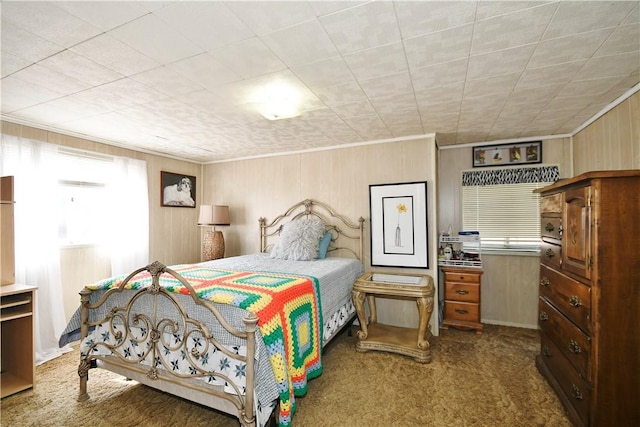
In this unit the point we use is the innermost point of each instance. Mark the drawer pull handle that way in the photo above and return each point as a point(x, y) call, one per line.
point(546, 351)
point(574, 347)
point(549, 253)
point(543, 316)
point(575, 392)
point(549, 227)
point(545, 281)
point(574, 301)
point(461, 311)
point(462, 291)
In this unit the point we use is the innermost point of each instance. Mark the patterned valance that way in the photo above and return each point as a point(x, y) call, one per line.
point(511, 175)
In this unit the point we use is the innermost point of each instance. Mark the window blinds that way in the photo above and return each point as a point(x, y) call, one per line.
point(503, 208)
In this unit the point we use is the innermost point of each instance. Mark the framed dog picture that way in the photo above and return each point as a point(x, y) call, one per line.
point(177, 190)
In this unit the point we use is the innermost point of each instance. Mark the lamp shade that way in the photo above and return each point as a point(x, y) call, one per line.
point(206, 215)
point(220, 215)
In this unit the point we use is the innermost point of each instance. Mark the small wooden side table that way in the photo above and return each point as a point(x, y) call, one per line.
point(413, 342)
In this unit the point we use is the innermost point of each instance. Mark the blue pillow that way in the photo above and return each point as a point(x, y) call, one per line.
point(324, 245)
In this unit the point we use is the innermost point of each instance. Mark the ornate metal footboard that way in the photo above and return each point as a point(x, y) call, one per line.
point(139, 322)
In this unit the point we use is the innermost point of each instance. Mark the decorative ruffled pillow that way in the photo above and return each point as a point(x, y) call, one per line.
point(299, 239)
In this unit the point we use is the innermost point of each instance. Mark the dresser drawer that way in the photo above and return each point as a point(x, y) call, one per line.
point(462, 292)
point(571, 297)
point(551, 203)
point(576, 390)
point(464, 311)
point(551, 226)
point(550, 254)
point(462, 277)
point(574, 344)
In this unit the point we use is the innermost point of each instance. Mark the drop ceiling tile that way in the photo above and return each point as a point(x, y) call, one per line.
point(115, 55)
point(492, 85)
point(209, 24)
point(439, 74)
point(520, 98)
point(490, 9)
point(24, 44)
point(568, 49)
point(266, 17)
point(325, 73)
point(248, 58)
point(362, 27)
point(9, 64)
point(119, 94)
point(48, 21)
point(435, 48)
point(593, 87)
point(105, 15)
point(505, 31)
point(573, 17)
point(155, 39)
point(80, 68)
point(341, 94)
point(571, 103)
point(60, 110)
point(395, 104)
point(322, 8)
point(204, 70)
point(166, 81)
point(385, 86)
point(609, 66)
point(354, 109)
point(500, 62)
point(48, 78)
point(624, 39)
point(17, 94)
point(423, 17)
point(548, 76)
point(440, 95)
point(634, 15)
point(301, 44)
point(376, 62)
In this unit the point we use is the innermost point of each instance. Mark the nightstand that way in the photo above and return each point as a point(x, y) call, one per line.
point(462, 298)
point(413, 342)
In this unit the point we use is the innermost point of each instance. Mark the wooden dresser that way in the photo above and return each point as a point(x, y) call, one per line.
point(589, 304)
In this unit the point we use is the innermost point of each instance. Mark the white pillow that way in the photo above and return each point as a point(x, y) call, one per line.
point(299, 239)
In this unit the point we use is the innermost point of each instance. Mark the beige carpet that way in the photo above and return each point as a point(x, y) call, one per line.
point(474, 380)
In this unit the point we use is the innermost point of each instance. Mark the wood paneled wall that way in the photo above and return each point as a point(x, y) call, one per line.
point(339, 177)
point(612, 142)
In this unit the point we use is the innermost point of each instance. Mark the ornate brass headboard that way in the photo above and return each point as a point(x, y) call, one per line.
point(339, 226)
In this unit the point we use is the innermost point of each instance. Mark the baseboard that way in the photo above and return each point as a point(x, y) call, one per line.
point(514, 325)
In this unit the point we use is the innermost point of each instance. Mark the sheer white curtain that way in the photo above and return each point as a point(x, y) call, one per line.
point(37, 210)
point(129, 216)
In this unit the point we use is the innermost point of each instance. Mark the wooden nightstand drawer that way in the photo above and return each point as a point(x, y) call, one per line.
point(574, 344)
point(461, 311)
point(571, 297)
point(462, 277)
point(462, 292)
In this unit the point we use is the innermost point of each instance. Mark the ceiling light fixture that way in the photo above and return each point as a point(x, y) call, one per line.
point(278, 101)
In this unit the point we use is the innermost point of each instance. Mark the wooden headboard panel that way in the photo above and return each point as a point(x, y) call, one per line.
point(342, 229)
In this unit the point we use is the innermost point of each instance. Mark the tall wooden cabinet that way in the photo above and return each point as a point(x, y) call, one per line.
point(589, 303)
point(17, 305)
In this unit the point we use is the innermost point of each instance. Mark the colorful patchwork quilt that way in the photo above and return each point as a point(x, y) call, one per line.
point(288, 311)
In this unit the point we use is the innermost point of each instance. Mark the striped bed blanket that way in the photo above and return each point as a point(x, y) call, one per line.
point(288, 311)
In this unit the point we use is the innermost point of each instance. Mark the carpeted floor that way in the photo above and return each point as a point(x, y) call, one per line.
point(474, 380)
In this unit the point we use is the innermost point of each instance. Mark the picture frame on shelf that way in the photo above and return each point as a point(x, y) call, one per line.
point(177, 190)
point(521, 153)
point(399, 236)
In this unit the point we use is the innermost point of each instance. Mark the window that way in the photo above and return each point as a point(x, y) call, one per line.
point(82, 187)
point(502, 206)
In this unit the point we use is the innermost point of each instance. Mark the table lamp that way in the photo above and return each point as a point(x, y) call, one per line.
point(213, 240)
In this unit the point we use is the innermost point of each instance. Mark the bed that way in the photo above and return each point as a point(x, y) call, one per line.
point(242, 335)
